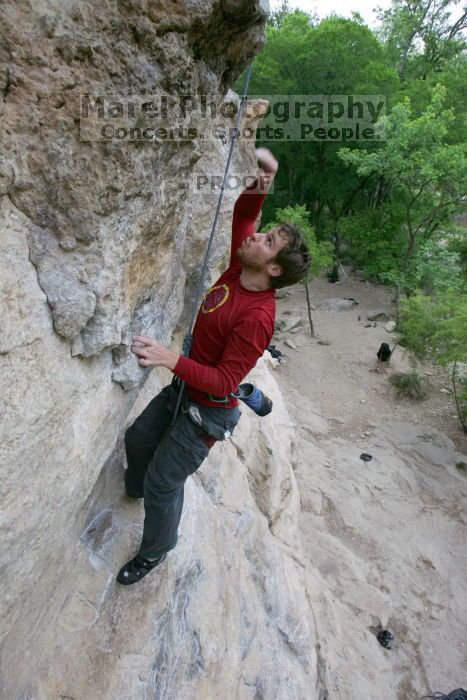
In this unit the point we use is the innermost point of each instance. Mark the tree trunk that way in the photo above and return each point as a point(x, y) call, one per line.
point(456, 397)
point(337, 243)
point(312, 329)
point(397, 298)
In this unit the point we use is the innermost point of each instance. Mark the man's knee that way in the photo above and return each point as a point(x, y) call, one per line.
point(129, 436)
point(136, 436)
point(159, 481)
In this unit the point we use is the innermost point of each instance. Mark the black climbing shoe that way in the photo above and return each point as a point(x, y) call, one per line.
point(137, 568)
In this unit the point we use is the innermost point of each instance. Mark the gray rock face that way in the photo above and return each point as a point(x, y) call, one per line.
point(106, 216)
point(336, 305)
point(226, 614)
point(100, 240)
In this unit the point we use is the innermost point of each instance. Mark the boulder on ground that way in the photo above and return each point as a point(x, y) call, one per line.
point(282, 293)
point(379, 315)
point(289, 323)
point(336, 304)
point(291, 344)
point(390, 326)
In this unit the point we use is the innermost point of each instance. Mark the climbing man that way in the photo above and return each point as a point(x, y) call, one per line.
point(233, 328)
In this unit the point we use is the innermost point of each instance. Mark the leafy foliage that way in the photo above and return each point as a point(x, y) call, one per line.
point(436, 327)
point(421, 35)
point(302, 57)
point(409, 384)
point(426, 176)
point(375, 240)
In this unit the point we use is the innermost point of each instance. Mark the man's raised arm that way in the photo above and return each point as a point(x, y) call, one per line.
point(248, 205)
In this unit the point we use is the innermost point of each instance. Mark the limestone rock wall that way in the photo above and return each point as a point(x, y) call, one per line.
point(99, 241)
point(225, 616)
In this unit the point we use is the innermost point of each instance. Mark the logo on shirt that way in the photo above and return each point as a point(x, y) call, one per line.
point(216, 297)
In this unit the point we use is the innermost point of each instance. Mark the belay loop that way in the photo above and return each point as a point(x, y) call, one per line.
point(188, 339)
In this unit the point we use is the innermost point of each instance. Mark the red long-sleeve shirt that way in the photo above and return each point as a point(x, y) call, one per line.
point(234, 325)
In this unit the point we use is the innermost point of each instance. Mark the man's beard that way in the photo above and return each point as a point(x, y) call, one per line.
point(247, 263)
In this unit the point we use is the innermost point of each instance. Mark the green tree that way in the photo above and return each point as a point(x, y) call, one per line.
point(277, 16)
point(335, 57)
point(425, 41)
point(453, 76)
point(436, 327)
point(375, 240)
point(425, 177)
point(395, 195)
point(421, 35)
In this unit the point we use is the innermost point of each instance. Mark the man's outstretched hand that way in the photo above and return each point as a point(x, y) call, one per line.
point(151, 353)
point(268, 168)
point(268, 163)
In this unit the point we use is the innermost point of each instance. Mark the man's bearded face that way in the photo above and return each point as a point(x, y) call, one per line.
point(260, 249)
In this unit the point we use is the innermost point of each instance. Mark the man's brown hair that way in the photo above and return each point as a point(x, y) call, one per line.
point(294, 258)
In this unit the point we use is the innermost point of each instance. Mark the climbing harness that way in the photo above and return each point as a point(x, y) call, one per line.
point(188, 339)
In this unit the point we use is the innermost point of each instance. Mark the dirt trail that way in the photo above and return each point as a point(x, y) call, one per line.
point(384, 540)
point(340, 373)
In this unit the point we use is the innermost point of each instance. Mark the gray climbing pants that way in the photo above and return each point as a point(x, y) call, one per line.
point(161, 457)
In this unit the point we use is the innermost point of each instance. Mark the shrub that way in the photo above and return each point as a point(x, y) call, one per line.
point(410, 385)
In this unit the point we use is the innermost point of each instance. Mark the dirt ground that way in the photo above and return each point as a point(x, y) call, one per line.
point(339, 372)
point(384, 540)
